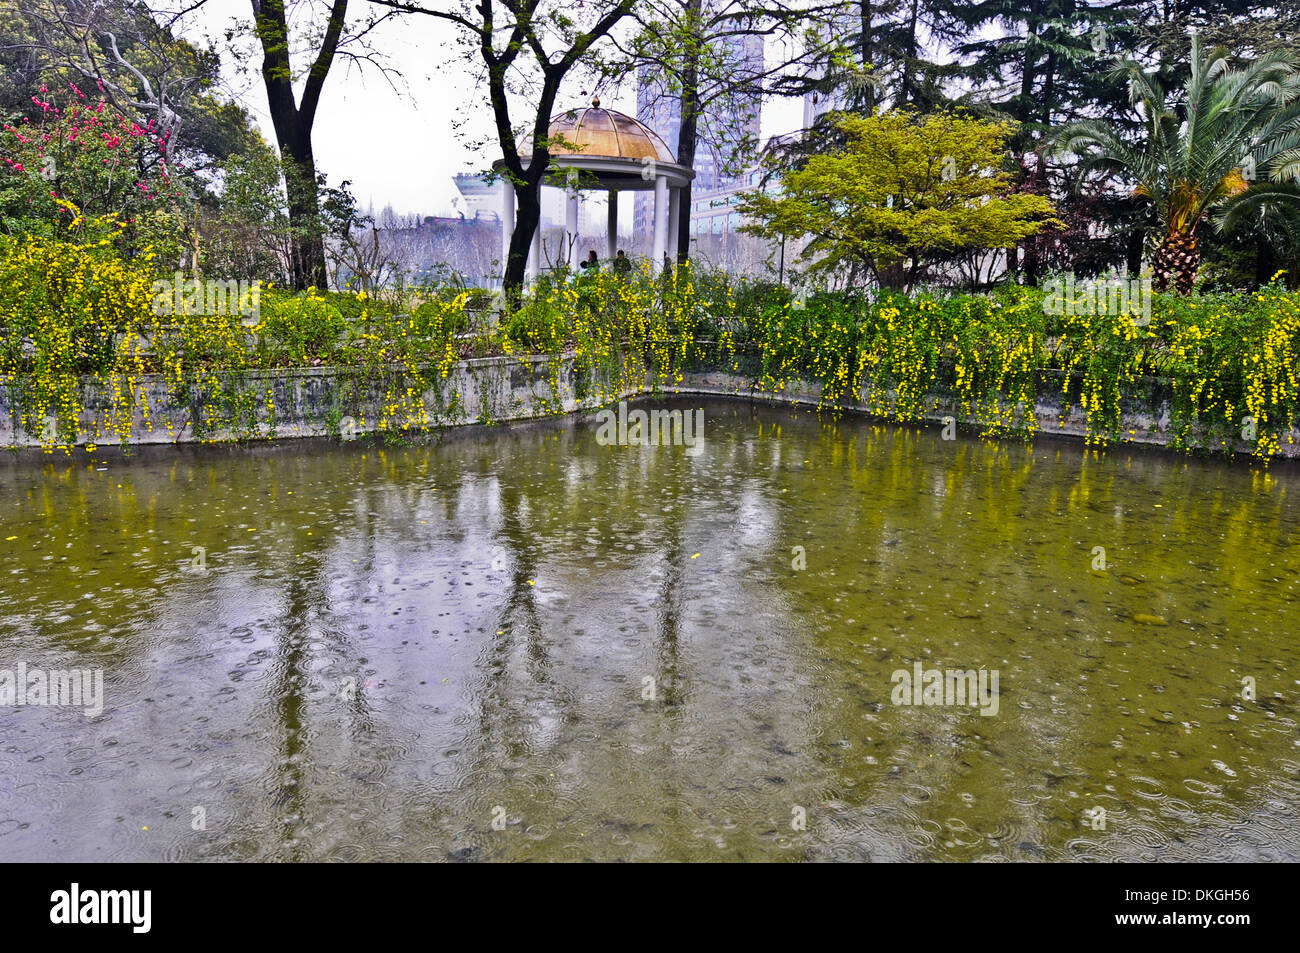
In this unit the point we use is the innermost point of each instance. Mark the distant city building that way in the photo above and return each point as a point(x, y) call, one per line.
point(723, 129)
point(817, 103)
point(716, 221)
point(481, 197)
point(483, 202)
point(713, 210)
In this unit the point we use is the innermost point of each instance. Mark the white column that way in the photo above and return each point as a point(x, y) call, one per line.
point(535, 254)
point(611, 246)
point(507, 221)
point(661, 221)
point(674, 221)
point(571, 230)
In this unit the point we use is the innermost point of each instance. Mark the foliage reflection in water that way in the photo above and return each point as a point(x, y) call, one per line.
point(360, 653)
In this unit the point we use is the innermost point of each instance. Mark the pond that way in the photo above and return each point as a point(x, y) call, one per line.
point(517, 643)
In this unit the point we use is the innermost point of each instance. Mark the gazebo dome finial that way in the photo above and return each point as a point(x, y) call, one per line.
point(595, 102)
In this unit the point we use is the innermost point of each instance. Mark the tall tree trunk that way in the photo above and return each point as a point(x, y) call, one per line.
point(307, 249)
point(906, 89)
point(1136, 242)
point(1024, 105)
point(1264, 262)
point(866, 25)
point(1034, 244)
point(1029, 67)
point(293, 121)
point(1176, 263)
point(688, 129)
point(1049, 90)
point(528, 217)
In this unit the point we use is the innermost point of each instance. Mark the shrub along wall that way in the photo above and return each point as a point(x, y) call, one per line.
point(338, 403)
point(320, 401)
point(87, 355)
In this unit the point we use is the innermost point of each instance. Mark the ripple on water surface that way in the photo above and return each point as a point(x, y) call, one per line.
point(525, 645)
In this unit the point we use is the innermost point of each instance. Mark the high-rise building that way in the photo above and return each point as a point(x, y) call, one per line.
point(818, 102)
point(726, 127)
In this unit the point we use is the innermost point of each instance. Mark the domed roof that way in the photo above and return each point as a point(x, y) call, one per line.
point(604, 133)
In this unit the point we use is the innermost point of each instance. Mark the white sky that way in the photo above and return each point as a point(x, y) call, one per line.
point(401, 148)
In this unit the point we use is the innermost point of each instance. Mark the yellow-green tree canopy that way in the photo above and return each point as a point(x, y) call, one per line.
point(902, 191)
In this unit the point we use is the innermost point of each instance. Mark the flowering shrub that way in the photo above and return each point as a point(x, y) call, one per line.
point(1229, 358)
point(85, 162)
point(72, 313)
point(297, 330)
point(986, 350)
point(1227, 361)
point(63, 310)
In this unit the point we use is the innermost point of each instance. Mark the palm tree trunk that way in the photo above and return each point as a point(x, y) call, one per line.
point(1176, 263)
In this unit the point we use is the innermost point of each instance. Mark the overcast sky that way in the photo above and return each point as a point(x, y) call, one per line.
point(400, 148)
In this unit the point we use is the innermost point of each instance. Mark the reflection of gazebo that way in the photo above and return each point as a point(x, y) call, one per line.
point(594, 148)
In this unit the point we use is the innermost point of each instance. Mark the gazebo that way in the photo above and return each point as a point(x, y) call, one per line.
point(592, 149)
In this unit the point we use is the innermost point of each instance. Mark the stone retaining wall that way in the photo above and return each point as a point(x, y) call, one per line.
point(310, 402)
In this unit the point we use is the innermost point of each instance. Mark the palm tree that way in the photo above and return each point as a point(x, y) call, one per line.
point(1270, 212)
point(1203, 149)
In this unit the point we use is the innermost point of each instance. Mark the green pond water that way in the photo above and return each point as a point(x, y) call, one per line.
point(448, 651)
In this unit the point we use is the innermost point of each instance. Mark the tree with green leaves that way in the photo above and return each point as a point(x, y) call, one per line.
point(903, 192)
point(1202, 148)
point(1249, 28)
point(527, 48)
point(1041, 61)
point(878, 53)
point(299, 41)
point(293, 118)
point(1269, 213)
point(130, 56)
point(707, 57)
point(1033, 63)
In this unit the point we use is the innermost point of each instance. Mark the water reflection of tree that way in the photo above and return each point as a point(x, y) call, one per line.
point(551, 515)
point(1036, 514)
point(289, 703)
point(307, 609)
point(501, 716)
point(519, 616)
